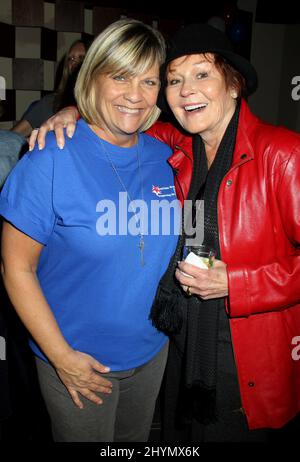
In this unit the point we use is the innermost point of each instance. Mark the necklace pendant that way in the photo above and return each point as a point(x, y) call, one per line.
point(141, 247)
point(141, 244)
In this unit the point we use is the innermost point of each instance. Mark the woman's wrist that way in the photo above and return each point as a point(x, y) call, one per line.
point(77, 115)
point(59, 356)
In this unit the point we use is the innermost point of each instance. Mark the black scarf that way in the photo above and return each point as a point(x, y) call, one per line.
point(170, 307)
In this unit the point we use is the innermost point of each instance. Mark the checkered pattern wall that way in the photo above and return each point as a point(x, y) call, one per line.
point(34, 35)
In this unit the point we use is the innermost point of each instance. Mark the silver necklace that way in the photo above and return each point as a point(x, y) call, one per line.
point(141, 244)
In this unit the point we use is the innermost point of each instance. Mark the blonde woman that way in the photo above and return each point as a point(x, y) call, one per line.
point(84, 292)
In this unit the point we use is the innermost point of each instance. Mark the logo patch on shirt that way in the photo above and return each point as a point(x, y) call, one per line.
point(164, 191)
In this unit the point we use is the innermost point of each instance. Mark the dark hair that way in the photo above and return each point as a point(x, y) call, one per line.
point(64, 81)
point(232, 77)
point(65, 64)
point(66, 97)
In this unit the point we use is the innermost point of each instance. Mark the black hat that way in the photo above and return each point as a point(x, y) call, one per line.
point(202, 38)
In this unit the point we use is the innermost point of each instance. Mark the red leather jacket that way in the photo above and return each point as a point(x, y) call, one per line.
point(259, 227)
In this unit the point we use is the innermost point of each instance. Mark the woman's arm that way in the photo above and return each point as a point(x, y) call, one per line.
point(168, 134)
point(253, 289)
point(23, 128)
point(67, 118)
point(20, 256)
point(274, 286)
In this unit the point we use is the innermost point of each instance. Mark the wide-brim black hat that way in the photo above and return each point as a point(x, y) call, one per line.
point(202, 38)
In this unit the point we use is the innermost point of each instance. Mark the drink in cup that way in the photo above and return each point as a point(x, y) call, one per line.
point(201, 256)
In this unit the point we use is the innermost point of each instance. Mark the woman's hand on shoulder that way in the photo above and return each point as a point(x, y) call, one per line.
point(79, 372)
point(65, 118)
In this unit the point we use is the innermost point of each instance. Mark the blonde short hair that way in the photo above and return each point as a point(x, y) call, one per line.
point(126, 47)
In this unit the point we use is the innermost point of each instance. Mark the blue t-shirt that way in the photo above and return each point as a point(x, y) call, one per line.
point(95, 284)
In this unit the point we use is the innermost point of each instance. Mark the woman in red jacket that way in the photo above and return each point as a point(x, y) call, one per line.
point(233, 369)
point(235, 348)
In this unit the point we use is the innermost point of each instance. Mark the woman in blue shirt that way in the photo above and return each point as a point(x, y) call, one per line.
point(83, 246)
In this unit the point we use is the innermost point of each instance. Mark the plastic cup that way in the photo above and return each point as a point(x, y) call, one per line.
point(201, 256)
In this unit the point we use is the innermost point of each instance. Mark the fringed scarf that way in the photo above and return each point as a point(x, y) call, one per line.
point(198, 397)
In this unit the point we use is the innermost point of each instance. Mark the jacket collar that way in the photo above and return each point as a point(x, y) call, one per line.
point(243, 151)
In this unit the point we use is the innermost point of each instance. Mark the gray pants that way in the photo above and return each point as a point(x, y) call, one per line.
point(125, 415)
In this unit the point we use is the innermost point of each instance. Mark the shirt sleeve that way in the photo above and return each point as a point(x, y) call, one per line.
point(273, 286)
point(41, 111)
point(26, 199)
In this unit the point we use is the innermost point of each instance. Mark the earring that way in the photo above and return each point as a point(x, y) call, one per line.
point(234, 95)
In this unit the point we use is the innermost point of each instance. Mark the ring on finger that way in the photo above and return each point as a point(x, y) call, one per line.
point(188, 291)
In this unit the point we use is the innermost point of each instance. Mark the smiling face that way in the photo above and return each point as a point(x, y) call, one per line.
point(118, 83)
point(197, 95)
point(124, 103)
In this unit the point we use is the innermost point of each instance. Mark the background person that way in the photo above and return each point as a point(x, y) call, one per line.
point(41, 110)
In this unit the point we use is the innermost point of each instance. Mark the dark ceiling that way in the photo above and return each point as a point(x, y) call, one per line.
point(267, 11)
point(196, 10)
